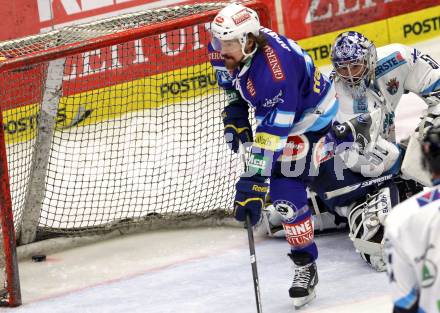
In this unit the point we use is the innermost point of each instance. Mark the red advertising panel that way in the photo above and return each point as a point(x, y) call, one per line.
point(298, 18)
point(23, 17)
point(112, 65)
point(19, 18)
point(308, 18)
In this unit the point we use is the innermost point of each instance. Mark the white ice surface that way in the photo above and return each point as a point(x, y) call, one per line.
point(195, 271)
point(204, 270)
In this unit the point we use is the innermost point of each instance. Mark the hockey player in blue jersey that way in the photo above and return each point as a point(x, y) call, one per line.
point(294, 107)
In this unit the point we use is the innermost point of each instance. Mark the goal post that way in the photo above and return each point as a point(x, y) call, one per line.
point(10, 295)
point(109, 125)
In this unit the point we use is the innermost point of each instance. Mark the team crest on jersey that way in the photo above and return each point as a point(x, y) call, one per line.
point(428, 197)
point(287, 209)
point(393, 86)
point(429, 273)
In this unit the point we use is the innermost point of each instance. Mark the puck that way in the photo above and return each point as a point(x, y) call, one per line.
point(39, 258)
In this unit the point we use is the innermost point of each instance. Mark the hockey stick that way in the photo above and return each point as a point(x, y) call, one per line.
point(347, 189)
point(250, 232)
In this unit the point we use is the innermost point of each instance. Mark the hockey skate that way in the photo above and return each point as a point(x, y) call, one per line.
point(305, 279)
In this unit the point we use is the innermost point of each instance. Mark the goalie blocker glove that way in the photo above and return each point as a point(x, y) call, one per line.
point(236, 126)
point(249, 198)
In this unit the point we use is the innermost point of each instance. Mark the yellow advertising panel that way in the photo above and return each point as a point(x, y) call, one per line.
point(416, 26)
point(406, 29)
point(95, 106)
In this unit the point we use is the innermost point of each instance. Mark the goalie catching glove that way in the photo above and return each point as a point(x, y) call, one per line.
point(237, 127)
point(432, 115)
point(426, 123)
point(249, 198)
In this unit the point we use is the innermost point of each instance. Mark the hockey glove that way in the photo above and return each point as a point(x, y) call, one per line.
point(237, 127)
point(432, 115)
point(249, 198)
point(426, 123)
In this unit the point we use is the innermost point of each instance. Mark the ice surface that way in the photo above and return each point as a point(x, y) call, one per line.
point(201, 272)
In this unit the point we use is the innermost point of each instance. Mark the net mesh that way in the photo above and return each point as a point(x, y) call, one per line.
point(79, 33)
point(138, 127)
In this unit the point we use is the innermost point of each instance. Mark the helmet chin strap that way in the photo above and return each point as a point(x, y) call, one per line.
point(248, 55)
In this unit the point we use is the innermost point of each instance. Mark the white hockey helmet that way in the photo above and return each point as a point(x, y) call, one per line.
point(235, 22)
point(366, 222)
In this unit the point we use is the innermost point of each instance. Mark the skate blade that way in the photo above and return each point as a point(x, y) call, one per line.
point(300, 302)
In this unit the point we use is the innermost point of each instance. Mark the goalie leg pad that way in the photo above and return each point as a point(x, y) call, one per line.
point(367, 222)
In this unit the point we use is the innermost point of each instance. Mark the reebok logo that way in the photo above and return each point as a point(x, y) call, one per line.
point(259, 188)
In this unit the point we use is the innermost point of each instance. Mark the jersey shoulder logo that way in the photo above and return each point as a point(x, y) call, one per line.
point(393, 86)
point(389, 63)
point(274, 63)
point(428, 197)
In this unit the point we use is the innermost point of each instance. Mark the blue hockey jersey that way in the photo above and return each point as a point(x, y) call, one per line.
point(290, 96)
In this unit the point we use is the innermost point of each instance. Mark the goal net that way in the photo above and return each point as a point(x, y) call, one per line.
point(114, 123)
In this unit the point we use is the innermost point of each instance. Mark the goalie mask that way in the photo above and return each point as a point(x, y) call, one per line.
point(366, 222)
point(232, 25)
point(354, 59)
